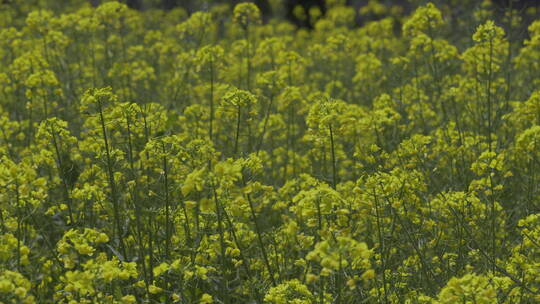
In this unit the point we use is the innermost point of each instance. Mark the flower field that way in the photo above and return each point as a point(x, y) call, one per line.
point(380, 154)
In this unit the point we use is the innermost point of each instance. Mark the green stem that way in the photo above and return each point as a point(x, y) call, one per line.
point(237, 135)
point(61, 169)
point(221, 243)
point(167, 204)
point(112, 184)
point(260, 240)
point(334, 170)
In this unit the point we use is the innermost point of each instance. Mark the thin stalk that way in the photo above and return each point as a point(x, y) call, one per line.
point(382, 247)
point(321, 291)
point(94, 68)
point(221, 243)
point(19, 224)
point(338, 280)
point(211, 122)
point(260, 240)
point(435, 70)
point(248, 60)
point(112, 184)
point(146, 171)
point(509, 56)
point(137, 207)
point(167, 204)
point(268, 110)
point(287, 148)
point(245, 261)
point(332, 146)
point(492, 199)
point(293, 148)
point(319, 219)
point(66, 192)
point(127, 78)
point(237, 135)
point(459, 217)
point(423, 261)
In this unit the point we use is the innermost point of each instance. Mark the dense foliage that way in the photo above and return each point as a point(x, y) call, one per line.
point(161, 157)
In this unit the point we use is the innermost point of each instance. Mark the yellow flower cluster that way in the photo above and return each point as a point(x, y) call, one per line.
point(293, 292)
point(15, 288)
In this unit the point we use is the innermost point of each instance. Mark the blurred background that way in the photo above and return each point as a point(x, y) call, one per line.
point(289, 9)
point(289, 5)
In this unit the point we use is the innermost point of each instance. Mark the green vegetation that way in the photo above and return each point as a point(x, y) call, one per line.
point(160, 157)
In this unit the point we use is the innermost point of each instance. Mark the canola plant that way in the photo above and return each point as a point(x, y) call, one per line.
point(215, 157)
